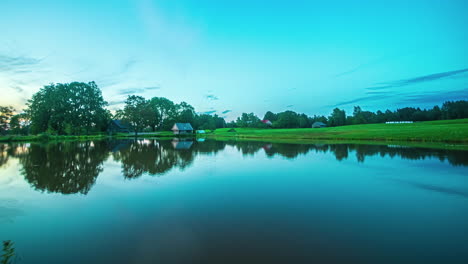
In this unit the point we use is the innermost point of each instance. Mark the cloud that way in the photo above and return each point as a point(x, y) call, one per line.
point(128, 65)
point(129, 91)
point(372, 92)
point(19, 64)
point(17, 89)
point(116, 77)
point(437, 97)
point(416, 80)
point(289, 106)
point(211, 97)
point(361, 99)
point(112, 103)
point(209, 112)
point(226, 111)
point(433, 97)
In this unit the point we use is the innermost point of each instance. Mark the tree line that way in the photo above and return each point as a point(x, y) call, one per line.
point(338, 117)
point(79, 108)
point(160, 114)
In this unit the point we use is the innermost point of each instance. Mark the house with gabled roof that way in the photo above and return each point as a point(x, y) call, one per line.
point(182, 128)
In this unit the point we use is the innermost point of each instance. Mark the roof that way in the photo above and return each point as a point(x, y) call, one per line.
point(182, 144)
point(184, 126)
point(119, 124)
point(318, 124)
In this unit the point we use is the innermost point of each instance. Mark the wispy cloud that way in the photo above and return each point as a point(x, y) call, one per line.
point(437, 97)
point(431, 97)
point(211, 97)
point(361, 99)
point(128, 91)
point(112, 103)
point(18, 64)
point(208, 112)
point(289, 106)
point(116, 77)
point(226, 111)
point(17, 89)
point(376, 92)
point(416, 80)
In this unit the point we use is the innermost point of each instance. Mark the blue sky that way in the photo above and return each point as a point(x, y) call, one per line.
point(240, 56)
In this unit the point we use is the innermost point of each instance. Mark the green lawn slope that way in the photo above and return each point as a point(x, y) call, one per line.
point(450, 131)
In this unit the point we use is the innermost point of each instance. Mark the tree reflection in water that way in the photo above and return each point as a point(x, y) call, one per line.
point(67, 168)
point(159, 157)
point(72, 167)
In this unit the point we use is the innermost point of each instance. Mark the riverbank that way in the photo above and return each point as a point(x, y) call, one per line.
point(444, 131)
point(45, 137)
point(452, 134)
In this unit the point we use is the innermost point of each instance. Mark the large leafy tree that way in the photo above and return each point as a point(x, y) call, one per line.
point(166, 112)
point(185, 113)
point(248, 120)
point(137, 112)
point(337, 118)
point(70, 108)
point(6, 112)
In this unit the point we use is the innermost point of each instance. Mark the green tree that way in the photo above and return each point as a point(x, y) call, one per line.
point(6, 112)
point(71, 107)
point(185, 113)
point(19, 124)
point(287, 119)
point(248, 120)
point(270, 116)
point(166, 113)
point(136, 112)
point(337, 118)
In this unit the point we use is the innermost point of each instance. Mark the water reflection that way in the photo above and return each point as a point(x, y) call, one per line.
point(152, 157)
point(73, 167)
point(66, 168)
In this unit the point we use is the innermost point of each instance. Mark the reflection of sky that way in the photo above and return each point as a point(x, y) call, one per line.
point(240, 56)
point(219, 193)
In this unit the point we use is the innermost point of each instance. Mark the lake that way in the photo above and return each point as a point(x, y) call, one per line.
point(168, 201)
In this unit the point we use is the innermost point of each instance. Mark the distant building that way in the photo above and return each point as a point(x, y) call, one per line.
point(267, 122)
point(182, 128)
point(318, 125)
point(117, 126)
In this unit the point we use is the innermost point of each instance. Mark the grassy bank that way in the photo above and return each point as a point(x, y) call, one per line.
point(45, 137)
point(452, 134)
point(49, 138)
point(445, 131)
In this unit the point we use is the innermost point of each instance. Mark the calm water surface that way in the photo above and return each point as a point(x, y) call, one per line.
point(151, 201)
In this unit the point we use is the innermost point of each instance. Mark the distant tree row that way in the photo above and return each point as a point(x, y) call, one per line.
point(338, 117)
point(78, 108)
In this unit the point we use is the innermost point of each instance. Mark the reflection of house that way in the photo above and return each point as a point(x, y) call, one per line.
point(318, 125)
point(116, 126)
point(182, 128)
point(182, 144)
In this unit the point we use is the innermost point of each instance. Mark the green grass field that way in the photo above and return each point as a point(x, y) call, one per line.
point(439, 134)
point(449, 131)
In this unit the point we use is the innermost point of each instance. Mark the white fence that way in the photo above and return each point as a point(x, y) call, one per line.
point(399, 122)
